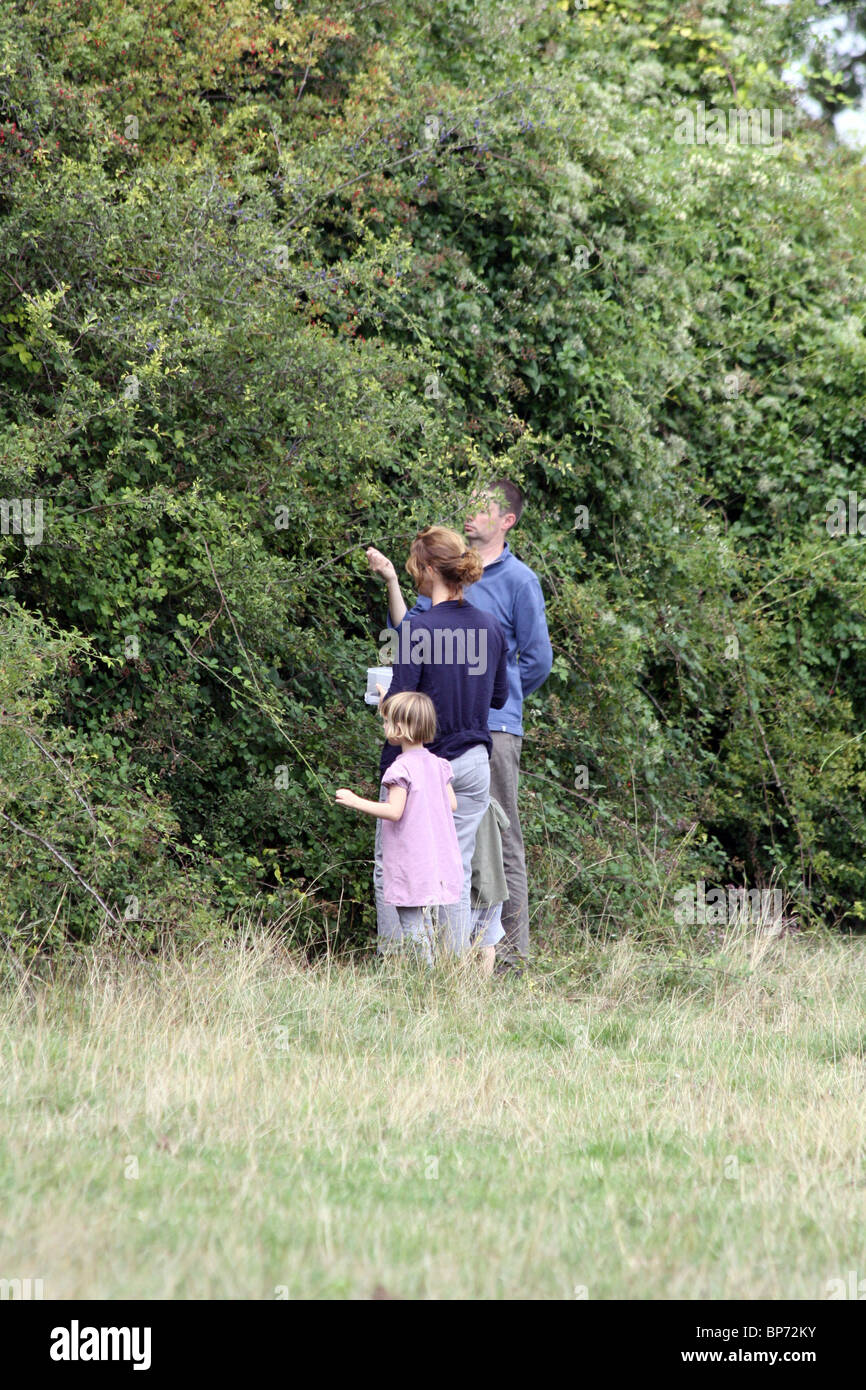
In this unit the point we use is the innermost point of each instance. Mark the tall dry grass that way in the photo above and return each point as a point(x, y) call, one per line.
point(228, 1122)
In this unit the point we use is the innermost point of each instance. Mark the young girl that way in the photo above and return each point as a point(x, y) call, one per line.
point(421, 857)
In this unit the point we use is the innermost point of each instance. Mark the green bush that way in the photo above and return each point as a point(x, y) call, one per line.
point(292, 289)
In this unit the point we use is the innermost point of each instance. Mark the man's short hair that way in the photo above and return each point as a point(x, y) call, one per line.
point(501, 490)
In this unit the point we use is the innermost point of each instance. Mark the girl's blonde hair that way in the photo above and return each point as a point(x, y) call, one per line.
point(410, 716)
point(447, 554)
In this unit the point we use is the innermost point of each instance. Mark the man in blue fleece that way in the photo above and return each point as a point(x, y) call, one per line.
point(510, 590)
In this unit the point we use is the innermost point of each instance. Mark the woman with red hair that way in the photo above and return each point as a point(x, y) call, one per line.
point(457, 654)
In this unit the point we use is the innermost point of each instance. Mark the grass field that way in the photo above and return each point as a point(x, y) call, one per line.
point(635, 1123)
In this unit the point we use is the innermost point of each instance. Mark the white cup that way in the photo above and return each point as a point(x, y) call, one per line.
point(380, 675)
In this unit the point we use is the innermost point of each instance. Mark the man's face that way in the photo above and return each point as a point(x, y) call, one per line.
point(486, 518)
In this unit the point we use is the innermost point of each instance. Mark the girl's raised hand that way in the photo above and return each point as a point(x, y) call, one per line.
point(345, 797)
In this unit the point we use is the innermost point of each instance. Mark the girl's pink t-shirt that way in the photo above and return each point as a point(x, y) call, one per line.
point(420, 855)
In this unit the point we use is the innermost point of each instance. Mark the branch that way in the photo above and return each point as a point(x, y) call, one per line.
point(31, 835)
point(72, 787)
point(777, 778)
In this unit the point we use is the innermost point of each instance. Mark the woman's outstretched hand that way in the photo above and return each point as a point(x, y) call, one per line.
point(380, 564)
point(345, 797)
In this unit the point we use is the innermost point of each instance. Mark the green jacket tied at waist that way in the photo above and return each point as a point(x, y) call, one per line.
point(488, 873)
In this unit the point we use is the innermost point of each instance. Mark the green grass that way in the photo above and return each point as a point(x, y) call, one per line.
point(637, 1123)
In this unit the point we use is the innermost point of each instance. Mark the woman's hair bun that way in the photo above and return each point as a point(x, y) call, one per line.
point(469, 567)
point(443, 550)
